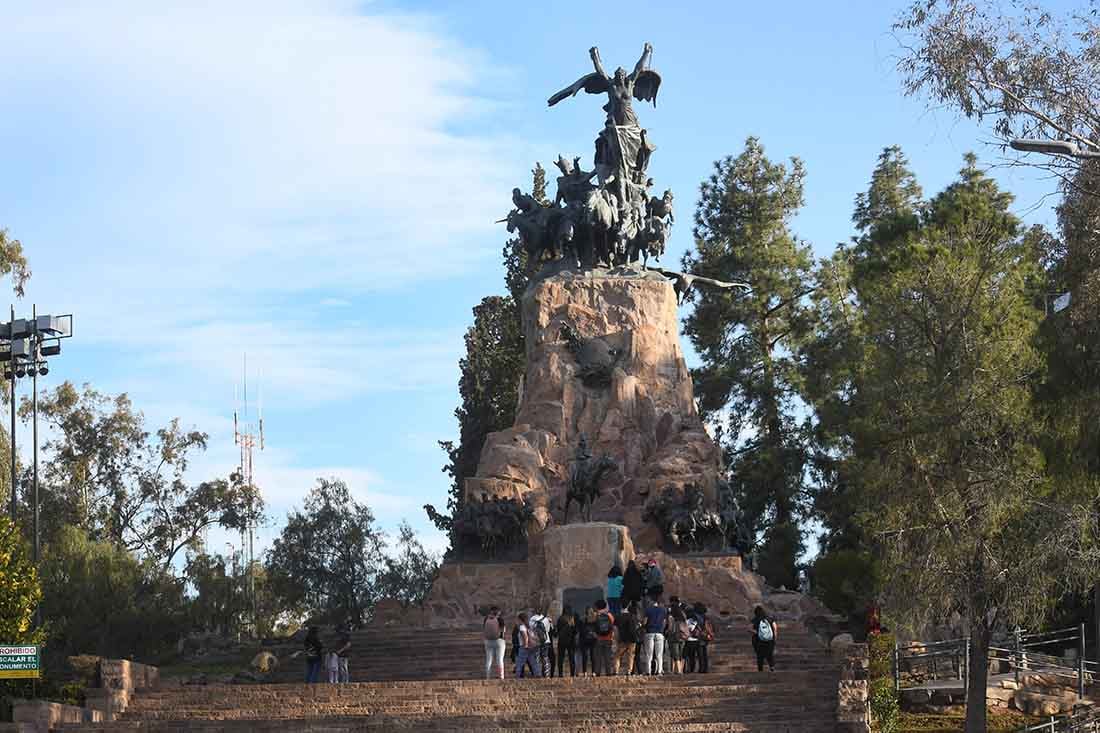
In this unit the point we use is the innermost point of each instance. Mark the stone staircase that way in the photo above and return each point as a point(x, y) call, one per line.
point(423, 679)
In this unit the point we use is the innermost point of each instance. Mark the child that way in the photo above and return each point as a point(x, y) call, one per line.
point(332, 664)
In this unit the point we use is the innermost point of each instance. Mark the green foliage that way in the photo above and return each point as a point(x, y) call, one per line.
point(781, 543)
point(489, 388)
point(747, 342)
point(490, 371)
point(833, 358)
point(20, 589)
point(845, 580)
point(105, 473)
point(99, 599)
point(330, 561)
point(885, 709)
point(13, 262)
point(880, 656)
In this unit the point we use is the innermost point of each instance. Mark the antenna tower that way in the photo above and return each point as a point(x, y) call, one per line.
point(248, 436)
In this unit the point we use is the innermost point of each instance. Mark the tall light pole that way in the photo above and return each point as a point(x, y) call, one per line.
point(24, 345)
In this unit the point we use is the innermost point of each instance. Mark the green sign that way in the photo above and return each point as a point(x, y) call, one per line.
point(18, 662)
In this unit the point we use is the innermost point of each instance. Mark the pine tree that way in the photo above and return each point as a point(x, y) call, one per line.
point(946, 438)
point(831, 358)
point(490, 371)
point(747, 343)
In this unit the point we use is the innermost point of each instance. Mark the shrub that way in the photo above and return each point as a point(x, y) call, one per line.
point(885, 711)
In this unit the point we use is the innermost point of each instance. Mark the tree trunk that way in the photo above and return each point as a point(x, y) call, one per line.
point(977, 678)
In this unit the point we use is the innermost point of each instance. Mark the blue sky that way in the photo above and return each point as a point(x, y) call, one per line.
point(314, 183)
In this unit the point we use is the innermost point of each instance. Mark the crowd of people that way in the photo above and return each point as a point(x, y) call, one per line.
point(630, 631)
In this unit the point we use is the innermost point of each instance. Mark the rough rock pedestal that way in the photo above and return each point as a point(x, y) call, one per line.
point(643, 415)
point(579, 556)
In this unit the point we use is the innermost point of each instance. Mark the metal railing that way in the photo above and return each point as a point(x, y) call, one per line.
point(917, 663)
point(1082, 721)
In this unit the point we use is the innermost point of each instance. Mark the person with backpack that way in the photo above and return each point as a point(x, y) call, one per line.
point(588, 641)
point(615, 590)
point(630, 631)
point(656, 617)
point(568, 630)
point(691, 646)
point(704, 633)
point(493, 631)
point(764, 633)
point(605, 636)
point(539, 627)
point(677, 635)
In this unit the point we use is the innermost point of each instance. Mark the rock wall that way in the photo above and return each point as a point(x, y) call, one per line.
point(645, 418)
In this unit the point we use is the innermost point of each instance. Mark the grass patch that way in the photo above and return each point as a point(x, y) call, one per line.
point(1001, 721)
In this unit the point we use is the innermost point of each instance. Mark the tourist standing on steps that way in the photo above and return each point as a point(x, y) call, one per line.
point(567, 627)
point(678, 634)
point(632, 584)
point(704, 632)
point(655, 581)
point(764, 633)
point(525, 645)
point(691, 646)
point(615, 590)
point(343, 651)
point(539, 628)
point(588, 641)
point(315, 652)
point(629, 627)
point(605, 636)
point(656, 616)
point(493, 631)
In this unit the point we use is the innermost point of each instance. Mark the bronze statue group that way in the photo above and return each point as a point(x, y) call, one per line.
point(630, 631)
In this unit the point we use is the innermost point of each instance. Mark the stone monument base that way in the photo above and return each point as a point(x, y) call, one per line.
point(571, 562)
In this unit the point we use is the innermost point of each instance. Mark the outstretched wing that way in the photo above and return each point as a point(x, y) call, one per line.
point(722, 283)
point(646, 85)
point(593, 83)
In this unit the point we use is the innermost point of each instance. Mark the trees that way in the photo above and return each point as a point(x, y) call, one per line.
point(328, 556)
point(20, 590)
point(490, 371)
point(330, 562)
point(104, 472)
point(747, 343)
point(99, 599)
point(489, 387)
point(955, 491)
point(832, 358)
point(1031, 72)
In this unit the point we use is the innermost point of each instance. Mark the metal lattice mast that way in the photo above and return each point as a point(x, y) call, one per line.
point(248, 436)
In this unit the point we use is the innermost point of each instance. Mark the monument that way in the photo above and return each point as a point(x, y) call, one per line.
point(606, 420)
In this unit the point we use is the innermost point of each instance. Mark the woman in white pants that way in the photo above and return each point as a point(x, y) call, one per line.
point(493, 628)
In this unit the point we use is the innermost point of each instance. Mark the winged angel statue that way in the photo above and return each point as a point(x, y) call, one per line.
point(623, 148)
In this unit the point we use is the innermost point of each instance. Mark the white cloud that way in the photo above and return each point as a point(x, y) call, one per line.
point(244, 148)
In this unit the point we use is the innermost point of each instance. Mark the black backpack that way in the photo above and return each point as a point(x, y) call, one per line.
point(603, 624)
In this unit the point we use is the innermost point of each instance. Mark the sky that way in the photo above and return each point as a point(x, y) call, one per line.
point(313, 184)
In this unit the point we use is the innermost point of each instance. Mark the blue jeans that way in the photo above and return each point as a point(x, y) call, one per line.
point(523, 656)
point(313, 670)
point(615, 605)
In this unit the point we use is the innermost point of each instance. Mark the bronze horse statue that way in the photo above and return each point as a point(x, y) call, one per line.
point(584, 484)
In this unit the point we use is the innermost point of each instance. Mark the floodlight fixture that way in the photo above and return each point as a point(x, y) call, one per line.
point(1052, 147)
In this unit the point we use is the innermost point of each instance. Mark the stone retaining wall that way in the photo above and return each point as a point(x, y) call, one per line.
point(118, 678)
point(852, 712)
